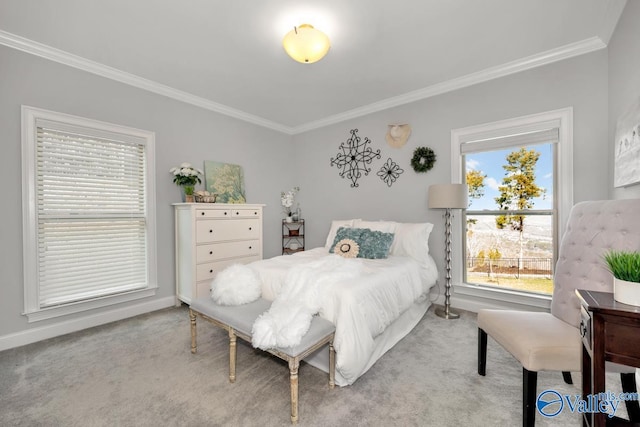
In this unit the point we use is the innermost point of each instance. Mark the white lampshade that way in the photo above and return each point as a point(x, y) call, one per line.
point(451, 196)
point(306, 44)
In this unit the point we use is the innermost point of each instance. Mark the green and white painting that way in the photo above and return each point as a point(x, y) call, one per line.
point(226, 180)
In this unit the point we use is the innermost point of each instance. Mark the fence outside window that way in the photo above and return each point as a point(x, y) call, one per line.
point(511, 266)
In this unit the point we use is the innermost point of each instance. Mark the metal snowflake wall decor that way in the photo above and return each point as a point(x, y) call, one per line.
point(389, 172)
point(354, 158)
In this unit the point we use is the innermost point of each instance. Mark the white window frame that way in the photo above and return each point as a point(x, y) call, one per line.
point(474, 296)
point(32, 309)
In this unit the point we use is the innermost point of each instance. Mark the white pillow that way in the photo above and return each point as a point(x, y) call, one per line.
point(384, 226)
point(412, 240)
point(335, 224)
point(236, 285)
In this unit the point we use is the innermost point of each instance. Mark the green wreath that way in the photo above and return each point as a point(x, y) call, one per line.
point(423, 159)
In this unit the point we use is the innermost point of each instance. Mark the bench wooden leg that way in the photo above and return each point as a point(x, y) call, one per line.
point(294, 364)
point(232, 356)
point(332, 365)
point(192, 317)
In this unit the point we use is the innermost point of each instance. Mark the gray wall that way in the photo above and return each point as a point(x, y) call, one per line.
point(580, 82)
point(183, 133)
point(624, 82)
point(274, 162)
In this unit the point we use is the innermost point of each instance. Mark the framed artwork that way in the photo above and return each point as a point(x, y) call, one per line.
point(627, 148)
point(225, 180)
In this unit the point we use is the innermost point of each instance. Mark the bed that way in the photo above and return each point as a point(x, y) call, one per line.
point(373, 302)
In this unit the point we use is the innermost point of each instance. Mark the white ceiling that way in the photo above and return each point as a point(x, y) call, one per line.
point(226, 55)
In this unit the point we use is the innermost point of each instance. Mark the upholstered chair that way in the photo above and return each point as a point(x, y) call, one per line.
point(551, 341)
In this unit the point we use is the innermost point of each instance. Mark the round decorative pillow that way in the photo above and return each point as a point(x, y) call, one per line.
point(347, 248)
point(423, 159)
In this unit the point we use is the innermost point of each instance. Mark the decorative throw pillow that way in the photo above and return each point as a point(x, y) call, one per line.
point(384, 226)
point(347, 248)
point(345, 233)
point(236, 285)
point(335, 225)
point(373, 244)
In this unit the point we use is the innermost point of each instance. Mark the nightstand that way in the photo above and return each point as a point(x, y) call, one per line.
point(610, 332)
point(292, 236)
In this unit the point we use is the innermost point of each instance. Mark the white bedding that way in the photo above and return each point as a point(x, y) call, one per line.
point(361, 308)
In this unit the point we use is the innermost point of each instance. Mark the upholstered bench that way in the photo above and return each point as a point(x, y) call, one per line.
point(238, 321)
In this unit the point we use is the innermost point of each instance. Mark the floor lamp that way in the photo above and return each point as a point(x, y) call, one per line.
point(447, 196)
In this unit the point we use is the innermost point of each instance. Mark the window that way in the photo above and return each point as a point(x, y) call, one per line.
point(519, 174)
point(89, 214)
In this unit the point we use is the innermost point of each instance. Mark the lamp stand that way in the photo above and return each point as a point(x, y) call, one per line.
point(446, 311)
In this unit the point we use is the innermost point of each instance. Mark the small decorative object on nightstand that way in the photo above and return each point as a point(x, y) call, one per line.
point(292, 236)
point(287, 198)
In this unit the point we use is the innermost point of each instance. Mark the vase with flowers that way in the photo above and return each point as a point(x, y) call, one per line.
point(287, 199)
point(186, 176)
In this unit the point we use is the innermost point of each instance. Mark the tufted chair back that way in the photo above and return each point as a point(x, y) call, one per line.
point(593, 229)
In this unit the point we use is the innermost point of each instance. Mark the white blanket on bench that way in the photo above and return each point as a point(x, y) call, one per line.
point(301, 297)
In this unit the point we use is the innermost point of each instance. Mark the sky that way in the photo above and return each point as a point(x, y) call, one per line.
point(490, 164)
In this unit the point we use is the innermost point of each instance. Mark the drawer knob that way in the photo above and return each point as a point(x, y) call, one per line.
point(250, 247)
point(210, 231)
point(250, 228)
point(225, 213)
point(211, 271)
point(202, 214)
point(237, 213)
point(210, 252)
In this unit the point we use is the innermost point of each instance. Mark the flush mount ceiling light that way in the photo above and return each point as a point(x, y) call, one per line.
point(306, 44)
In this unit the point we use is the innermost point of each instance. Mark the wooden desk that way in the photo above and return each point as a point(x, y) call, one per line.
point(610, 332)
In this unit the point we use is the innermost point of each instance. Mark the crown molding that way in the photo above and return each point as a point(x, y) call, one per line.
point(53, 54)
point(523, 64)
point(527, 63)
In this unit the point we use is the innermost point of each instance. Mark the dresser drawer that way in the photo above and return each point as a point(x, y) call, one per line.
point(245, 213)
point(209, 270)
point(203, 289)
point(233, 229)
point(585, 327)
point(227, 213)
point(216, 251)
point(213, 213)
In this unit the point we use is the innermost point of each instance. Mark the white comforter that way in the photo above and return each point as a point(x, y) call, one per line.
point(361, 307)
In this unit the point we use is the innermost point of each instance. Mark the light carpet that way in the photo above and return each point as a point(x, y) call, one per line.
point(140, 372)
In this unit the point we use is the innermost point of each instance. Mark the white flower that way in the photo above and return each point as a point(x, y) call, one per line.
point(287, 198)
point(186, 175)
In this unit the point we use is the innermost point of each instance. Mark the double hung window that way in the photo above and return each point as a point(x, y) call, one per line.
point(88, 211)
point(520, 192)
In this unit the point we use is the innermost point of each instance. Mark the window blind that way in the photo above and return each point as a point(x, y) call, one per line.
point(91, 219)
point(523, 139)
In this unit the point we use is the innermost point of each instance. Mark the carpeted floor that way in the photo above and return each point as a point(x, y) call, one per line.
point(140, 372)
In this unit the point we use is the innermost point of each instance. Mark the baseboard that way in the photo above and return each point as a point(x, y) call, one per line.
point(50, 331)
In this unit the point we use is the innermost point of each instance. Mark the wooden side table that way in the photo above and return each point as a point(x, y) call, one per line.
point(610, 332)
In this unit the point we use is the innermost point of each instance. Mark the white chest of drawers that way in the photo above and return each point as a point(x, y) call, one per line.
point(210, 237)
